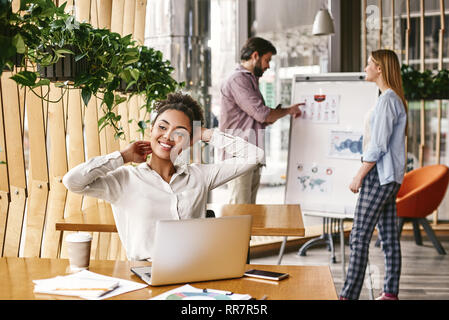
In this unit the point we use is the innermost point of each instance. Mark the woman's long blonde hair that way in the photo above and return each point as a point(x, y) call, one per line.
point(391, 71)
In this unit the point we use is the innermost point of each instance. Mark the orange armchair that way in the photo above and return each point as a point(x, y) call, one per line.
point(420, 194)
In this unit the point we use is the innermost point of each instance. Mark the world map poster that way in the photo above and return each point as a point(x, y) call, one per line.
point(314, 178)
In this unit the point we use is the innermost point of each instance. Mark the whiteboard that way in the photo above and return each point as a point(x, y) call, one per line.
point(325, 142)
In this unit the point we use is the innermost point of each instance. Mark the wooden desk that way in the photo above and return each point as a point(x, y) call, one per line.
point(304, 283)
point(268, 219)
point(98, 218)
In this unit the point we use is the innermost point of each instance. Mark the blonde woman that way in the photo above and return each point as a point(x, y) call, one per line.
point(379, 178)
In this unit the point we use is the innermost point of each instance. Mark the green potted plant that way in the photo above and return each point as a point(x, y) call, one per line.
point(151, 75)
point(425, 85)
point(11, 41)
point(21, 31)
point(441, 84)
point(76, 55)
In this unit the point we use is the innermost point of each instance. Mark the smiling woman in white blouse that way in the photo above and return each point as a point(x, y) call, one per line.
point(161, 187)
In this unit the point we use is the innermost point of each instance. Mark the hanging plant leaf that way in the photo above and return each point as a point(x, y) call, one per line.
point(86, 94)
point(101, 121)
point(142, 124)
point(41, 82)
point(119, 135)
point(18, 42)
point(135, 74)
point(25, 78)
point(108, 99)
point(60, 52)
point(80, 56)
point(119, 99)
point(131, 86)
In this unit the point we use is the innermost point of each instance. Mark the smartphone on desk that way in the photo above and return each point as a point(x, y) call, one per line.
point(263, 274)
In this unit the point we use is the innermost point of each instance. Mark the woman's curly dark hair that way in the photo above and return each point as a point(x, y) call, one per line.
point(181, 102)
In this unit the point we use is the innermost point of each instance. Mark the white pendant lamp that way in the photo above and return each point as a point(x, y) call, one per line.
point(323, 24)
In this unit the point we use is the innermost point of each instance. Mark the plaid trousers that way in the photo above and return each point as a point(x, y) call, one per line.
point(376, 204)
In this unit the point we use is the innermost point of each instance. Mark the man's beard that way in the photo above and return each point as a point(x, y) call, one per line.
point(258, 71)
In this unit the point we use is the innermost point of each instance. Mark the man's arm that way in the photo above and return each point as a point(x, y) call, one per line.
point(276, 114)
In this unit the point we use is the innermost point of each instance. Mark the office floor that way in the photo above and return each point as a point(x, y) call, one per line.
point(425, 273)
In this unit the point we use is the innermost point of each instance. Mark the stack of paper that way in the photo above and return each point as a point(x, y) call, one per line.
point(86, 285)
point(187, 292)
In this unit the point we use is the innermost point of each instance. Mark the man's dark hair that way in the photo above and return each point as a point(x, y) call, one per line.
point(260, 45)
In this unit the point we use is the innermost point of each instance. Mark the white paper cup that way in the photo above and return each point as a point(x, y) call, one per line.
point(78, 248)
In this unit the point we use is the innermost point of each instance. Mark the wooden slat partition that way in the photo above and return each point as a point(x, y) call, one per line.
point(4, 179)
point(75, 148)
point(139, 35)
point(139, 21)
point(407, 32)
point(76, 144)
point(58, 135)
point(440, 67)
point(364, 36)
point(15, 165)
point(439, 102)
point(422, 144)
point(392, 24)
point(117, 16)
point(38, 177)
point(380, 24)
point(126, 107)
point(103, 11)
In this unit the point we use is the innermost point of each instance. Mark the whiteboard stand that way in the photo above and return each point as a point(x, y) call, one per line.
point(336, 221)
point(281, 250)
point(329, 230)
point(320, 165)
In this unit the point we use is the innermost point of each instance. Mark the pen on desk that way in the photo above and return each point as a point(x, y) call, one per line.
point(110, 290)
point(83, 289)
point(105, 290)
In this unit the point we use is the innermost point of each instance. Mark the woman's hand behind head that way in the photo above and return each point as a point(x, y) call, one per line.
point(136, 152)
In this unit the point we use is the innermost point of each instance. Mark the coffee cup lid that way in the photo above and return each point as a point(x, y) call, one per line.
point(79, 237)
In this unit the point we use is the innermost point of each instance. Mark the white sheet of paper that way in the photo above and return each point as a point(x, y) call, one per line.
point(85, 279)
point(320, 108)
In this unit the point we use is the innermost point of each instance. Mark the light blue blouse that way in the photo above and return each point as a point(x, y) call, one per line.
point(387, 143)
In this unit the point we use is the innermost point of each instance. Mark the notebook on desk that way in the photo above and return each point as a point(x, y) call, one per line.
point(198, 250)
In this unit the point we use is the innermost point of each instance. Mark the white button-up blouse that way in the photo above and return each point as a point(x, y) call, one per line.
point(139, 196)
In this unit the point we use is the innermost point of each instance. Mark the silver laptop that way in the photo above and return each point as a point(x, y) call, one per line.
point(198, 250)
